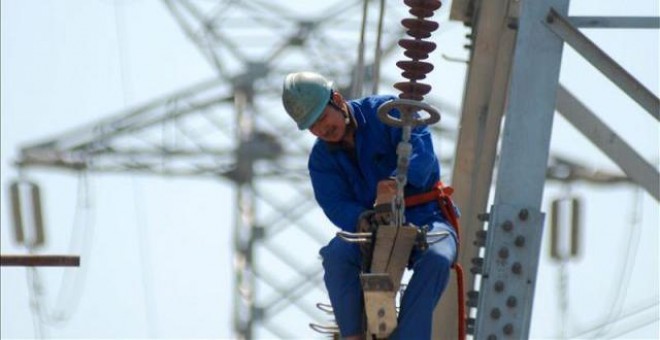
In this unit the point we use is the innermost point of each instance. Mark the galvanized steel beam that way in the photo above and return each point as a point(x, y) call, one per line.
point(614, 22)
point(559, 25)
point(515, 227)
point(607, 140)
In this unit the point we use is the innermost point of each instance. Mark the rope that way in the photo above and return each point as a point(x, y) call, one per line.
point(442, 194)
point(447, 207)
point(462, 315)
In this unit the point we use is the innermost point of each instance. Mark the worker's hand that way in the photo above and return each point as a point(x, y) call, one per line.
point(366, 222)
point(386, 191)
point(385, 194)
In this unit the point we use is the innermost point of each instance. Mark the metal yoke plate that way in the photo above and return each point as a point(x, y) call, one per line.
point(506, 292)
point(392, 251)
point(390, 256)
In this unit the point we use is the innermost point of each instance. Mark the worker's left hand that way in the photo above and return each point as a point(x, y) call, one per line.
point(385, 194)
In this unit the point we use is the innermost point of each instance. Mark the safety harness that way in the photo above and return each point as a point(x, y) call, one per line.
point(442, 194)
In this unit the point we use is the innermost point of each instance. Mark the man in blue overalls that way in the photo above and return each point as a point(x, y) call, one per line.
point(352, 165)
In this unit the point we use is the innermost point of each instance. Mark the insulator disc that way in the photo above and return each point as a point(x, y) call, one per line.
point(422, 8)
point(430, 5)
point(413, 88)
point(419, 24)
point(416, 67)
point(417, 45)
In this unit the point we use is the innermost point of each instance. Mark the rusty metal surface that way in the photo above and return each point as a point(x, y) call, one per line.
point(40, 260)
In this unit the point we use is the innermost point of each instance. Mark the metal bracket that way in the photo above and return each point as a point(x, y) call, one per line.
point(407, 104)
point(379, 304)
point(376, 282)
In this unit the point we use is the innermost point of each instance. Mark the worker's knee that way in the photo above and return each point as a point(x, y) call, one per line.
point(436, 261)
point(340, 255)
point(438, 257)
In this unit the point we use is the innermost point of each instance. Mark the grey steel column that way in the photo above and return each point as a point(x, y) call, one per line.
point(516, 222)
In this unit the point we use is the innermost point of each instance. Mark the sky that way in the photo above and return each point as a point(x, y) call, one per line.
point(156, 252)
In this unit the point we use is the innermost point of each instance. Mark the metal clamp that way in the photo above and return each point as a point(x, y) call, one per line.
point(322, 329)
point(436, 236)
point(407, 105)
point(355, 237)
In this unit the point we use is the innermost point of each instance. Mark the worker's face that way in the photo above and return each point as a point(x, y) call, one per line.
point(331, 125)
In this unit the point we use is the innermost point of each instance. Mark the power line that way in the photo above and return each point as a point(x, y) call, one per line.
point(625, 271)
point(607, 322)
point(72, 282)
point(636, 327)
point(144, 249)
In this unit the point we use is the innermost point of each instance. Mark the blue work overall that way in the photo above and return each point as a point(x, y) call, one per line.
point(345, 184)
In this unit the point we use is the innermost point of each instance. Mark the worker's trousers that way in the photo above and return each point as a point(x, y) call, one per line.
point(431, 268)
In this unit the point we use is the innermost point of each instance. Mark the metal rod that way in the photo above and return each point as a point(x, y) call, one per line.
point(40, 260)
point(359, 69)
point(604, 63)
point(379, 51)
point(327, 308)
point(615, 22)
point(352, 239)
point(324, 329)
point(349, 235)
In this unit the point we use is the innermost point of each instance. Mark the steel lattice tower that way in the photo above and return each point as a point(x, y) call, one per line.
point(234, 127)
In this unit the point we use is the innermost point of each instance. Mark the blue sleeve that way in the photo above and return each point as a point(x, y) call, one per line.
point(333, 193)
point(423, 162)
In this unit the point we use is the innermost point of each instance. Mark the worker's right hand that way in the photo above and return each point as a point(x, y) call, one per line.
point(384, 214)
point(366, 222)
point(385, 194)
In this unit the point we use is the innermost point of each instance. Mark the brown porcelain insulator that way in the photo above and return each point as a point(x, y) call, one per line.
point(422, 8)
point(419, 28)
point(417, 49)
point(414, 69)
point(413, 88)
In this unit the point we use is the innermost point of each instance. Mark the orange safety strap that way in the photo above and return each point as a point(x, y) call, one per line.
point(442, 194)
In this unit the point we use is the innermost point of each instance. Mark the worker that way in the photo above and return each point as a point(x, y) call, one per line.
point(352, 165)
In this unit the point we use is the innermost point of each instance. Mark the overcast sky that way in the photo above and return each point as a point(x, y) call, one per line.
point(157, 251)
